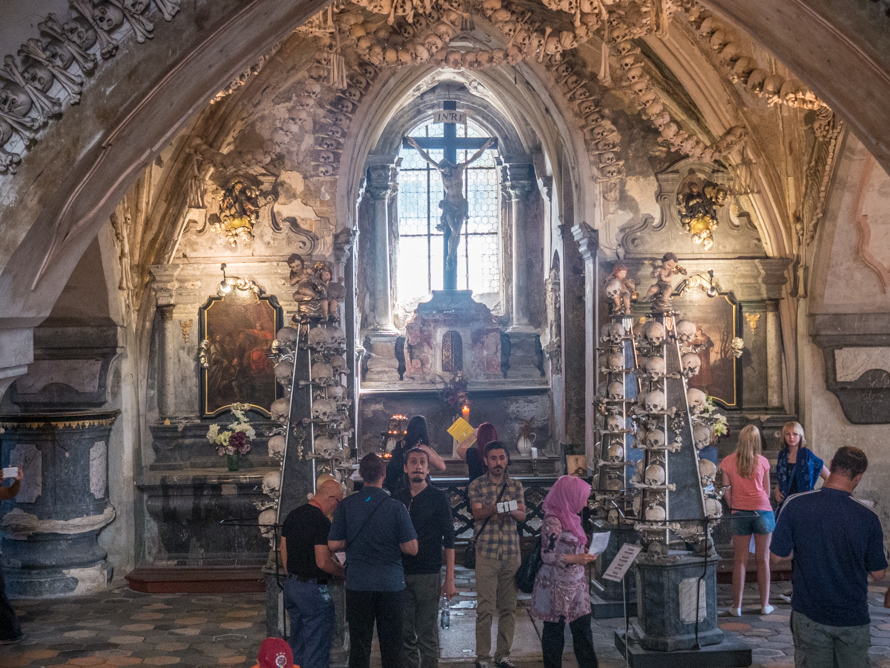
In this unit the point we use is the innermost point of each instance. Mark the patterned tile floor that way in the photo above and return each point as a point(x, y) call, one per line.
point(125, 628)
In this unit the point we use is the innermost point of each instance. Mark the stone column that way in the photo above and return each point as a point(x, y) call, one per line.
point(518, 185)
point(588, 244)
point(775, 398)
point(382, 365)
point(50, 533)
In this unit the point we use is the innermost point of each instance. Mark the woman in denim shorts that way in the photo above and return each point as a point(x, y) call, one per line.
point(746, 475)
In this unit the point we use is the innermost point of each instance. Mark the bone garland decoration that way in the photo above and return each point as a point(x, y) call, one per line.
point(64, 49)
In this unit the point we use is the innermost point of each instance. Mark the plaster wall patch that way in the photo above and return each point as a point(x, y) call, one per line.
point(689, 602)
point(851, 363)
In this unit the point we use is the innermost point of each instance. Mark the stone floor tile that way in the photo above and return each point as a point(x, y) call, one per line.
point(232, 660)
point(33, 654)
point(161, 660)
point(760, 653)
point(145, 616)
point(734, 626)
point(137, 627)
point(87, 661)
point(191, 620)
point(82, 633)
point(123, 661)
point(171, 646)
point(187, 631)
point(126, 640)
point(235, 625)
point(244, 613)
point(108, 653)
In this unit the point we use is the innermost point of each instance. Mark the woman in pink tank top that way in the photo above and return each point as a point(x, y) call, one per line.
point(746, 476)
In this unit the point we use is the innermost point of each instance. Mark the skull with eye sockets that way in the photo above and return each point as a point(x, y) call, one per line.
point(655, 367)
point(323, 409)
point(615, 391)
point(653, 333)
point(707, 471)
point(284, 371)
point(272, 484)
point(280, 410)
point(685, 332)
point(655, 402)
point(276, 446)
point(655, 438)
point(655, 475)
point(287, 336)
point(691, 364)
point(655, 513)
point(614, 424)
point(701, 436)
point(697, 400)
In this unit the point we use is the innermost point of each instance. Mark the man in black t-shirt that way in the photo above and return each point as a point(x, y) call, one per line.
point(309, 564)
point(430, 513)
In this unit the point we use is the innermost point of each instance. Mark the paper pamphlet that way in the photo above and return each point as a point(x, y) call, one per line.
point(341, 557)
point(599, 542)
point(507, 506)
point(460, 430)
point(622, 561)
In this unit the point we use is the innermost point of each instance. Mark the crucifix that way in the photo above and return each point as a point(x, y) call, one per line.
point(455, 207)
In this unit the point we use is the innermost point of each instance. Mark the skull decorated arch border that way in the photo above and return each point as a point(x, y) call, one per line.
point(236, 331)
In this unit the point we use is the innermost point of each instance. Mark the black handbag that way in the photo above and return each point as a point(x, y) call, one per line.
point(528, 569)
point(470, 550)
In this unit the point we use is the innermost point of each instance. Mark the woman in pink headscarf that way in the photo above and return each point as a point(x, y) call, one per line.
point(561, 593)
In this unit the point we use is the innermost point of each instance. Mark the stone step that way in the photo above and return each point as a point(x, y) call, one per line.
point(197, 579)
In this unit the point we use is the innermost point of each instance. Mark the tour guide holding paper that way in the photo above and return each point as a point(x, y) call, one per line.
point(497, 554)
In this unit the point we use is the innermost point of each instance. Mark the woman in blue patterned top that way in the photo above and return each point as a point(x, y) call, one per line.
point(797, 468)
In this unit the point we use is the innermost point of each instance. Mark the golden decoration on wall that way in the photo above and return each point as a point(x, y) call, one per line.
point(697, 204)
point(239, 211)
point(186, 326)
point(753, 319)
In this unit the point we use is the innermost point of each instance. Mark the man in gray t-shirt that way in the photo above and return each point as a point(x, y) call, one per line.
point(375, 531)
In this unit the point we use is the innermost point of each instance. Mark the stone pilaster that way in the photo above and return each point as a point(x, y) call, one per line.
point(518, 185)
point(775, 396)
point(588, 245)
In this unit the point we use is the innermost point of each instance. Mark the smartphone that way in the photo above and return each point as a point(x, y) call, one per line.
point(10, 471)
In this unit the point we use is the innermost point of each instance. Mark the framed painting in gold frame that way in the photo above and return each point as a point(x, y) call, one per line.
point(237, 330)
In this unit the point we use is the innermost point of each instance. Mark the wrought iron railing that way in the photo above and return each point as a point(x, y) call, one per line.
point(535, 488)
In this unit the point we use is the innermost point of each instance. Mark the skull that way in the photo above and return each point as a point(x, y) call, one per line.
point(701, 435)
point(14, 100)
point(272, 484)
point(325, 170)
point(655, 402)
point(444, 32)
point(454, 60)
point(697, 400)
point(58, 54)
point(79, 31)
point(638, 475)
point(38, 77)
point(509, 29)
point(615, 391)
point(615, 454)
point(713, 509)
point(608, 158)
point(358, 81)
point(614, 483)
point(655, 367)
point(367, 70)
point(432, 43)
point(108, 17)
point(135, 6)
point(501, 16)
point(420, 53)
point(655, 513)
point(484, 59)
point(655, 438)
point(613, 363)
point(280, 410)
point(613, 332)
point(322, 372)
point(743, 68)
point(353, 94)
point(284, 371)
point(613, 288)
point(326, 157)
point(5, 132)
point(653, 333)
point(640, 442)
point(337, 336)
point(655, 475)
point(567, 40)
point(773, 84)
point(563, 70)
point(614, 424)
point(339, 364)
point(624, 48)
point(470, 61)
point(276, 446)
point(707, 470)
point(691, 364)
point(498, 56)
point(375, 54)
point(318, 337)
point(287, 336)
point(330, 144)
point(685, 331)
point(327, 447)
point(323, 409)
point(267, 524)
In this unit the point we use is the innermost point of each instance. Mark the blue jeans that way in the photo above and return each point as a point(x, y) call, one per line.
point(822, 646)
point(310, 608)
point(750, 522)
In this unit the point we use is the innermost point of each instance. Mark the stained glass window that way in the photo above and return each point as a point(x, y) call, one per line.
point(421, 244)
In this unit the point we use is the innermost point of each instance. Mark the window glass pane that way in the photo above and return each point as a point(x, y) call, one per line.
point(413, 269)
point(484, 261)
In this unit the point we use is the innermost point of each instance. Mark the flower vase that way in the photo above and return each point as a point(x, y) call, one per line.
point(234, 461)
point(525, 444)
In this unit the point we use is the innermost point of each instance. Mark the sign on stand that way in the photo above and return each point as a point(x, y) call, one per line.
point(622, 562)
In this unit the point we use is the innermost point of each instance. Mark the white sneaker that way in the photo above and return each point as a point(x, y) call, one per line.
point(732, 612)
point(767, 609)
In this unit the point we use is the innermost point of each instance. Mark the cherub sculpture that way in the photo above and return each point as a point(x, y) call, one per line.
point(308, 293)
point(660, 291)
point(698, 210)
point(620, 290)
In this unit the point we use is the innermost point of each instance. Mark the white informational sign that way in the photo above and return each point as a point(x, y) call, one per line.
point(450, 116)
point(622, 561)
point(599, 542)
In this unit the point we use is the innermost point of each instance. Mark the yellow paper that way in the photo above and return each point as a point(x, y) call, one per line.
point(460, 430)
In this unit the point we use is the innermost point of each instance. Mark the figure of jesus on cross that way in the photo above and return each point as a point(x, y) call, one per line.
point(455, 207)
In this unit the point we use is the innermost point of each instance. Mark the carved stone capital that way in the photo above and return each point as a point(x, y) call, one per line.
point(344, 240)
point(518, 180)
point(774, 276)
point(381, 182)
point(588, 240)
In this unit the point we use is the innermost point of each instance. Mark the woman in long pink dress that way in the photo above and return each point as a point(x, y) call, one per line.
point(561, 595)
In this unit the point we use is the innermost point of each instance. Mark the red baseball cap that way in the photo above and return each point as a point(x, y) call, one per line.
point(275, 653)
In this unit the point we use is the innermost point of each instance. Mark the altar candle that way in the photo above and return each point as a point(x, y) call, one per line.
point(465, 411)
point(534, 453)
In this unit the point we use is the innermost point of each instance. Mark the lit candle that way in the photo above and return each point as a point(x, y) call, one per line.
point(534, 453)
point(465, 411)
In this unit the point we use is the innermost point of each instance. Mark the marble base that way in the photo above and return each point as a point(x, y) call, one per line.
point(728, 654)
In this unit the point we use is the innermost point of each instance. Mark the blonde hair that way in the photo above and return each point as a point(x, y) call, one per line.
point(797, 429)
point(747, 451)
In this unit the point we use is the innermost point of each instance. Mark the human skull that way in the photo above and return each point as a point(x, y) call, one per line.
point(614, 424)
point(615, 391)
point(323, 409)
point(653, 333)
point(655, 402)
point(613, 332)
point(713, 509)
point(272, 484)
point(337, 336)
point(707, 470)
point(615, 454)
point(38, 76)
point(614, 482)
point(433, 43)
point(624, 48)
point(655, 367)
point(322, 372)
point(655, 438)
point(701, 436)
point(655, 475)
point(691, 364)
point(454, 60)
point(58, 54)
point(284, 371)
point(287, 336)
point(280, 410)
point(266, 522)
point(14, 100)
point(655, 513)
point(613, 288)
point(697, 400)
point(276, 446)
point(327, 447)
point(338, 362)
point(5, 132)
point(469, 60)
point(135, 6)
point(444, 32)
point(79, 31)
point(685, 331)
point(509, 29)
point(318, 337)
point(614, 362)
point(108, 17)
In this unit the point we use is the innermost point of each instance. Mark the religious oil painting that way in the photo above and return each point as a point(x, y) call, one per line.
point(717, 321)
point(238, 329)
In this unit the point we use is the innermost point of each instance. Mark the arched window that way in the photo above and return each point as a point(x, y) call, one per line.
point(421, 244)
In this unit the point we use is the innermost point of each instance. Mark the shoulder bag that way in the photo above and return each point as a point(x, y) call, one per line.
point(470, 551)
point(528, 569)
